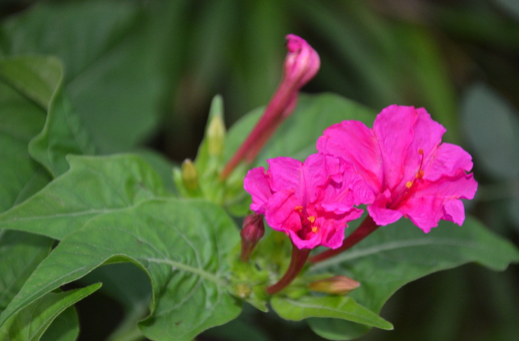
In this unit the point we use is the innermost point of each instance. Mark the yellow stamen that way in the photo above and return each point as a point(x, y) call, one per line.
point(311, 218)
point(409, 184)
point(315, 229)
point(298, 208)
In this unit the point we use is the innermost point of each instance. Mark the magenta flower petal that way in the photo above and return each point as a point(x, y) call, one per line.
point(356, 144)
point(284, 173)
point(257, 184)
point(453, 210)
point(393, 128)
point(280, 213)
point(448, 160)
point(379, 211)
point(426, 206)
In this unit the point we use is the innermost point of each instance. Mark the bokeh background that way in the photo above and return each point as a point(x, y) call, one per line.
point(143, 73)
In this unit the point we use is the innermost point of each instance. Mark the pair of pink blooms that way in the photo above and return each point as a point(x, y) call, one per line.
point(399, 168)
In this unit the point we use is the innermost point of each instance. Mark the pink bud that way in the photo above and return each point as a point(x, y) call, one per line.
point(301, 65)
point(302, 62)
point(337, 285)
point(252, 231)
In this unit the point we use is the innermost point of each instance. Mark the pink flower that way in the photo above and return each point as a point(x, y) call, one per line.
point(409, 170)
point(311, 201)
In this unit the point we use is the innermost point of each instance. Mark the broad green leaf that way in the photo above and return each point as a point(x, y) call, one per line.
point(113, 77)
point(492, 129)
point(20, 254)
point(93, 186)
point(62, 135)
point(40, 80)
point(399, 253)
point(297, 136)
point(34, 77)
point(183, 247)
point(20, 121)
point(341, 307)
point(65, 327)
point(30, 323)
point(161, 165)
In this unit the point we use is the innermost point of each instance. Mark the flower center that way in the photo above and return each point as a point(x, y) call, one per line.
point(410, 185)
point(306, 223)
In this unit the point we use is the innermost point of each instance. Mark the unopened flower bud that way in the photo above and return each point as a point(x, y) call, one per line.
point(301, 65)
point(252, 231)
point(302, 62)
point(216, 136)
point(189, 175)
point(337, 285)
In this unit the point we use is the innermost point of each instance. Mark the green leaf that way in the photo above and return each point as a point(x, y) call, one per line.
point(93, 186)
point(399, 253)
point(40, 80)
point(183, 247)
point(65, 327)
point(30, 323)
point(62, 135)
point(113, 77)
point(492, 129)
point(161, 165)
point(20, 121)
point(34, 77)
point(341, 307)
point(20, 254)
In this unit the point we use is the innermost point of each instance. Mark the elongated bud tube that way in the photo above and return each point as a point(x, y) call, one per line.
point(337, 285)
point(189, 175)
point(252, 231)
point(301, 65)
point(297, 262)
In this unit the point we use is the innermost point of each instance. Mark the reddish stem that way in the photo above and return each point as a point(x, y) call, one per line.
point(263, 129)
point(364, 230)
point(298, 260)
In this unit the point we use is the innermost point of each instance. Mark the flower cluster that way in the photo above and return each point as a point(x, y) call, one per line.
point(398, 168)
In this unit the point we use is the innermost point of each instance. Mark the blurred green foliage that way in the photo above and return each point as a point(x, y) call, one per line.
point(142, 73)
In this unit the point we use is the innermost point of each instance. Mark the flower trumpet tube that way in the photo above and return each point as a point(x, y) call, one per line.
point(297, 262)
point(301, 65)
